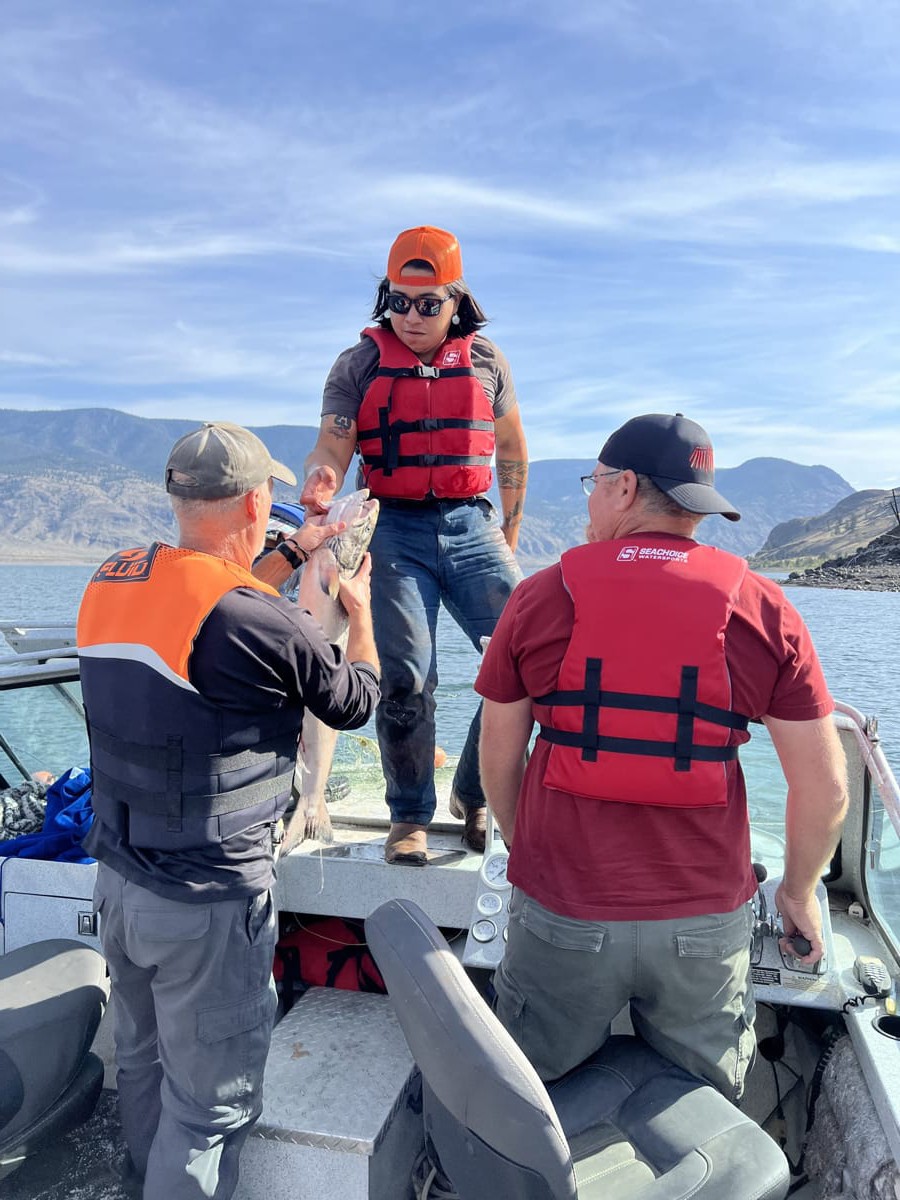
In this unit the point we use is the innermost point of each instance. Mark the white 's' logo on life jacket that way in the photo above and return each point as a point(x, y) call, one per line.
point(451, 358)
point(627, 554)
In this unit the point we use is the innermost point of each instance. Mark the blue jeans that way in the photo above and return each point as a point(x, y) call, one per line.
point(425, 553)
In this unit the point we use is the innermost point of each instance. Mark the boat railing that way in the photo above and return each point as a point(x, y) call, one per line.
point(865, 732)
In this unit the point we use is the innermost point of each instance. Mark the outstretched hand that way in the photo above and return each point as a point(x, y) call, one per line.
point(318, 489)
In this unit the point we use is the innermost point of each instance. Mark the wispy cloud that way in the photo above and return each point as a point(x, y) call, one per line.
point(665, 207)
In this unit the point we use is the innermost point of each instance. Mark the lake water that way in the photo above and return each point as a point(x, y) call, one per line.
point(857, 635)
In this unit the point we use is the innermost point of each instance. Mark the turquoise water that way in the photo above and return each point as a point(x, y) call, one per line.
point(857, 635)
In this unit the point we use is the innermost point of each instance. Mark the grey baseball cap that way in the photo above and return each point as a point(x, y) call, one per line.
point(677, 455)
point(221, 459)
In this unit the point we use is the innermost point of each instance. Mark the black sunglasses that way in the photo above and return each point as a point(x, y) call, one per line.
point(426, 306)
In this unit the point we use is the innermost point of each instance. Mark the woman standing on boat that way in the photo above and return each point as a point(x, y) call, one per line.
point(426, 399)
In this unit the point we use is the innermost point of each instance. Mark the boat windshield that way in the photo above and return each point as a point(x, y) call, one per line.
point(41, 729)
point(766, 796)
point(881, 869)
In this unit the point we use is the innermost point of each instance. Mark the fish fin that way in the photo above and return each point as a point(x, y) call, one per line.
point(329, 576)
point(318, 824)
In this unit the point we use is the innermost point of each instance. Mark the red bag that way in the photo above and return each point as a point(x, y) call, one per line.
point(324, 952)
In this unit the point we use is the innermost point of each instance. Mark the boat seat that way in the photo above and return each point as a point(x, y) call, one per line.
point(626, 1122)
point(52, 996)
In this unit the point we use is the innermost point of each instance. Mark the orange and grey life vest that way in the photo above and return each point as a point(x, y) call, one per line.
point(425, 429)
point(642, 710)
point(172, 770)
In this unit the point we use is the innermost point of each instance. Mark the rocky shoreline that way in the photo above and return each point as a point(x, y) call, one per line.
point(875, 568)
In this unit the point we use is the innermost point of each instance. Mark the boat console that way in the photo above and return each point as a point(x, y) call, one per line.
point(489, 921)
point(780, 977)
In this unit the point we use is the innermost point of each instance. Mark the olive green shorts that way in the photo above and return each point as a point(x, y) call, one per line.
point(687, 980)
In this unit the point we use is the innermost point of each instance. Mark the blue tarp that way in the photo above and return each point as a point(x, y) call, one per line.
point(66, 821)
point(294, 513)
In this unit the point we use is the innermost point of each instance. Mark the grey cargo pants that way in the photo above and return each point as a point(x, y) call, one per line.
point(194, 1007)
point(687, 980)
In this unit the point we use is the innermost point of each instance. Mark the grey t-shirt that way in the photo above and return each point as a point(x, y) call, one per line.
point(354, 369)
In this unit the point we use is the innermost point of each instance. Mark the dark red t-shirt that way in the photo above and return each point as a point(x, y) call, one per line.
point(604, 861)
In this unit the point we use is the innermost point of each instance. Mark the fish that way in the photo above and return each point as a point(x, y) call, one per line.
point(340, 557)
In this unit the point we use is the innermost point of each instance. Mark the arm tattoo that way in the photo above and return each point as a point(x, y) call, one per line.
point(340, 427)
point(514, 516)
point(511, 473)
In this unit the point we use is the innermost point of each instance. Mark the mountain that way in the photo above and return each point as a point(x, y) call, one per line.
point(841, 531)
point(764, 490)
point(77, 484)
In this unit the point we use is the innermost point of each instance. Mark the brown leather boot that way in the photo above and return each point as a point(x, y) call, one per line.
point(406, 845)
point(475, 831)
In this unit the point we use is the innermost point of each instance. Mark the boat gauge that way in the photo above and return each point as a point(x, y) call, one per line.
point(493, 870)
point(484, 931)
point(489, 903)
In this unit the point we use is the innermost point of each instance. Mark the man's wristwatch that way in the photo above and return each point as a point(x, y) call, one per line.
point(295, 555)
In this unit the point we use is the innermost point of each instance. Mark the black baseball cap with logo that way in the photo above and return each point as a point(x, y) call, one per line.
point(677, 455)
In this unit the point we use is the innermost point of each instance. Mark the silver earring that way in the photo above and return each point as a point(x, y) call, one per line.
point(454, 320)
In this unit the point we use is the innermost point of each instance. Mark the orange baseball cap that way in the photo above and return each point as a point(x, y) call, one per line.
point(431, 245)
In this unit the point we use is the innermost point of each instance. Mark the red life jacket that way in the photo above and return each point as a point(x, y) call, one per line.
point(425, 429)
point(324, 952)
point(642, 712)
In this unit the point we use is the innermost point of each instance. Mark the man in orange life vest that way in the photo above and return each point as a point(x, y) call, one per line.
point(642, 656)
point(196, 675)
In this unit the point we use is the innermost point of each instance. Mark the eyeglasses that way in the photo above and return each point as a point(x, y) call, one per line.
point(426, 306)
point(589, 482)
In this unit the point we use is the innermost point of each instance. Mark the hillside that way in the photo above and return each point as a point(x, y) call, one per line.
point(807, 541)
point(75, 485)
point(872, 568)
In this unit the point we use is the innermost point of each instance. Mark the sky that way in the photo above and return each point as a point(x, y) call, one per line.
point(663, 205)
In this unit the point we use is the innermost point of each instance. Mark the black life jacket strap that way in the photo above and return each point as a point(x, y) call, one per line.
point(378, 462)
point(174, 783)
point(426, 425)
point(424, 371)
point(590, 725)
point(685, 706)
point(684, 731)
point(197, 806)
point(614, 745)
point(637, 701)
point(149, 757)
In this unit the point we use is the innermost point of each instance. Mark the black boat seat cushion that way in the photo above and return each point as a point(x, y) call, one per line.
point(52, 996)
point(626, 1123)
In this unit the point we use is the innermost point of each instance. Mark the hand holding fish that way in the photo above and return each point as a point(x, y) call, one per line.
point(310, 536)
point(355, 593)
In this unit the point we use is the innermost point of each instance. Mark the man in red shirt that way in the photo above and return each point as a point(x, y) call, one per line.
point(642, 655)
